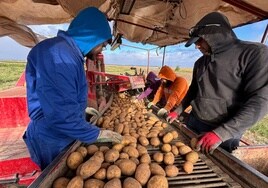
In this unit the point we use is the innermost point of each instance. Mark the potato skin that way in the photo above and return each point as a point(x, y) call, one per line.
point(76, 182)
point(131, 183)
point(113, 183)
point(60, 182)
point(168, 138)
point(74, 160)
point(93, 183)
point(111, 155)
point(171, 170)
point(113, 171)
point(169, 158)
point(188, 167)
point(192, 157)
point(127, 166)
point(100, 174)
point(158, 157)
point(143, 173)
point(157, 181)
point(156, 169)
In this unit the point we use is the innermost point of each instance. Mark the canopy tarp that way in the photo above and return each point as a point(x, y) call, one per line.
point(157, 22)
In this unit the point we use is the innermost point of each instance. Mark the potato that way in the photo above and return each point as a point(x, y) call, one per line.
point(82, 150)
point(193, 143)
point(184, 149)
point(74, 160)
point(105, 165)
point(155, 141)
point(175, 134)
point(174, 150)
point(158, 157)
point(152, 134)
point(192, 157)
point(119, 128)
point(131, 183)
point(143, 173)
point(92, 165)
point(113, 183)
point(145, 158)
point(60, 182)
point(156, 169)
point(113, 171)
point(143, 141)
point(131, 151)
point(93, 183)
point(111, 155)
point(188, 167)
point(100, 174)
point(167, 138)
point(104, 148)
point(166, 148)
point(171, 170)
point(169, 158)
point(164, 125)
point(123, 155)
point(118, 147)
point(157, 181)
point(76, 182)
point(91, 149)
point(127, 167)
point(141, 149)
point(179, 144)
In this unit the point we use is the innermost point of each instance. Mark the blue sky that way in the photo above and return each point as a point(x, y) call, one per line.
point(176, 55)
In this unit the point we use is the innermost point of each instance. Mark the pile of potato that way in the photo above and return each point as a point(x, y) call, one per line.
point(128, 164)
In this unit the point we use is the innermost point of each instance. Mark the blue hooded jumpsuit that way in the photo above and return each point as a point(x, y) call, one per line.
point(57, 87)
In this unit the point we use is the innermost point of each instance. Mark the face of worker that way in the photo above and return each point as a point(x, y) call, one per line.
point(203, 46)
point(167, 83)
point(95, 51)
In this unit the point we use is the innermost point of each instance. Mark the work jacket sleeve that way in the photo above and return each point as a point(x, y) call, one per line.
point(158, 94)
point(179, 89)
point(144, 94)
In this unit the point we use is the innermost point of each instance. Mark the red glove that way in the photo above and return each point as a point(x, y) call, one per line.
point(172, 116)
point(209, 142)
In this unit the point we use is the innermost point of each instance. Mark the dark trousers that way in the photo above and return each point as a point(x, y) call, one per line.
point(199, 127)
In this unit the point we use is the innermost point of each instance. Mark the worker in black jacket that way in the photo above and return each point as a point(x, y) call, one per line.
point(229, 88)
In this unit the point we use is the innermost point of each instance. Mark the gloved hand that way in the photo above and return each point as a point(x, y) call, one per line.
point(161, 112)
point(109, 136)
point(150, 104)
point(208, 143)
point(172, 116)
point(92, 111)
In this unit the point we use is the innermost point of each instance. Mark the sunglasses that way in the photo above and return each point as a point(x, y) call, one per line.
point(193, 32)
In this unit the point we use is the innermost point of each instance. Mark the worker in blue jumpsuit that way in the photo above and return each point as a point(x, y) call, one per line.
point(57, 88)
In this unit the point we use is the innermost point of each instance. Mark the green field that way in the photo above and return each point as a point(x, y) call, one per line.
point(10, 72)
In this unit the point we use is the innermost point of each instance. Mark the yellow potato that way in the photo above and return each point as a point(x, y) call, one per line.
point(192, 157)
point(74, 160)
point(171, 170)
point(157, 181)
point(76, 182)
point(93, 183)
point(131, 183)
point(143, 173)
point(60, 182)
point(188, 167)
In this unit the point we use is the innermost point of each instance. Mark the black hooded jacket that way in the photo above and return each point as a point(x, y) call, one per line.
point(229, 89)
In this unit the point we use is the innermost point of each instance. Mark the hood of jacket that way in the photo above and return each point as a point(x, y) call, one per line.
point(89, 29)
point(167, 73)
point(151, 77)
point(220, 35)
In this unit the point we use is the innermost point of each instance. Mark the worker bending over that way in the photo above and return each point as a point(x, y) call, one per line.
point(173, 88)
point(57, 88)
